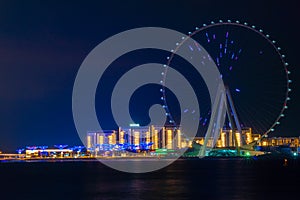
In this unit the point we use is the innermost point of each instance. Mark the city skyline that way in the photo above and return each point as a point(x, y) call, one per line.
point(43, 47)
point(153, 137)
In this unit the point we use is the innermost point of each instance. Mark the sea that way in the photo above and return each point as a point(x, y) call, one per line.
point(215, 178)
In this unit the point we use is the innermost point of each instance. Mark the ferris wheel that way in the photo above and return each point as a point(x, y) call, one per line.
point(252, 66)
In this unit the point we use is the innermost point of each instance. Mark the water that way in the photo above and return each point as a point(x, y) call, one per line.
point(184, 179)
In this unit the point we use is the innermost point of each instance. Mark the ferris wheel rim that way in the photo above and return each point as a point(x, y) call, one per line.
point(249, 27)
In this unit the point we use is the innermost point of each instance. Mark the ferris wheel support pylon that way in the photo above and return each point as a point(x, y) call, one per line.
point(214, 129)
point(223, 105)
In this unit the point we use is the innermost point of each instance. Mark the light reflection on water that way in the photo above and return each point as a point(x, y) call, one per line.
point(185, 179)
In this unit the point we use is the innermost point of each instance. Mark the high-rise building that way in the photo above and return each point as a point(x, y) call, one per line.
point(99, 138)
point(248, 135)
point(154, 134)
point(178, 139)
point(111, 137)
point(147, 136)
point(230, 139)
point(121, 136)
point(169, 140)
point(136, 137)
point(91, 139)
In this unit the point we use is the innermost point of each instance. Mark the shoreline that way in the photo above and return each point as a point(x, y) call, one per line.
point(137, 159)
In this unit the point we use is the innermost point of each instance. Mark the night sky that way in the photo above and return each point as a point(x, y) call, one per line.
point(42, 46)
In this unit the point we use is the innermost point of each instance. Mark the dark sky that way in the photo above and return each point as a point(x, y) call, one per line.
point(42, 45)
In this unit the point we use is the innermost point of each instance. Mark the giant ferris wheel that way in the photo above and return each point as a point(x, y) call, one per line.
point(252, 66)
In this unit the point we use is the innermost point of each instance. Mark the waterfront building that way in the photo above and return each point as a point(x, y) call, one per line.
point(90, 139)
point(279, 141)
point(37, 152)
point(134, 135)
point(229, 139)
point(121, 136)
point(101, 138)
point(169, 135)
point(112, 138)
point(154, 135)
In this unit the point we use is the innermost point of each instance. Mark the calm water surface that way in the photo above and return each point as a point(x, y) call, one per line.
point(184, 179)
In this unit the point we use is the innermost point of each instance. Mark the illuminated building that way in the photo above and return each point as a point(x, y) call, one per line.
point(210, 142)
point(125, 136)
point(162, 138)
point(173, 138)
point(121, 136)
point(101, 138)
point(249, 136)
point(223, 139)
point(111, 138)
point(45, 152)
point(136, 137)
point(166, 137)
point(154, 137)
point(91, 139)
point(238, 139)
point(279, 141)
point(219, 143)
point(147, 135)
point(227, 138)
point(256, 137)
point(199, 140)
point(169, 134)
point(178, 138)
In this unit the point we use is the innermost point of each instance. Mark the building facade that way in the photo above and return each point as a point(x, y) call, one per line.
point(138, 137)
point(95, 139)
